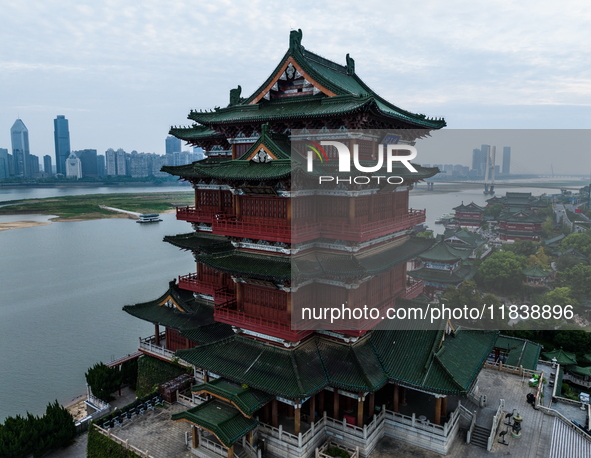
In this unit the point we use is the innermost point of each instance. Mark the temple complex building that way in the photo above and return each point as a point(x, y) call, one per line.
point(267, 379)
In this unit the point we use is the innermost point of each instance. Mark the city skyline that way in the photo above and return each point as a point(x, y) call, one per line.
point(110, 75)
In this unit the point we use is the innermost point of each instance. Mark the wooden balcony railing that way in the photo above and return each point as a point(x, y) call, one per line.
point(193, 215)
point(308, 231)
point(191, 283)
point(226, 314)
point(414, 289)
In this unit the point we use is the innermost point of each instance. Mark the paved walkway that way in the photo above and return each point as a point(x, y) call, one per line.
point(536, 432)
point(155, 433)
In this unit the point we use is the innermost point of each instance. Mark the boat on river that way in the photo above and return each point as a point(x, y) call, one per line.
point(149, 218)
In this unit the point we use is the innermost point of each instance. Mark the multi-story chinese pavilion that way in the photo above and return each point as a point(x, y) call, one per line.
point(263, 380)
point(470, 216)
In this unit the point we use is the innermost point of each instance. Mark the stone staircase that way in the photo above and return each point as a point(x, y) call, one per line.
point(480, 436)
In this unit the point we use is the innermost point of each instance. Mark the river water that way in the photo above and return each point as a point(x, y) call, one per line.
point(62, 287)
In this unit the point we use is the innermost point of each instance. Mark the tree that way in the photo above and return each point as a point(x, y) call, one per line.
point(578, 279)
point(494, 210)
point(540, 258)
point(580, 241)
point(566, 262)
point(426, 234)
point(559, 296)
point(501, 272)
point(548, 227)
point(574, 340)
point(521, 247)
point(103, 380)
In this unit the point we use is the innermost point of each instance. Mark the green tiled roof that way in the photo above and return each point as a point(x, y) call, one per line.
point(220, 418)
point(279, 145)
point(564, 358)
point(326, 263)
point(554, 241)
point(471, 207)
point(444, 276)
point(208, 333)
point(191, 134)
point(417, 358)
point(579, 370)
point(521, 216)
point(195, 320)
point(262, 267)
point(521, 352)
point(246, 399)
point(412, 358)
point(443, 252)
point(233, 170)
point(470, 239)
point(352, 95)
point(198, 241)
point(536, 271)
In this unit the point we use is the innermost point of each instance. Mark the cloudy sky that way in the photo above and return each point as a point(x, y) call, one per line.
point(122, 72)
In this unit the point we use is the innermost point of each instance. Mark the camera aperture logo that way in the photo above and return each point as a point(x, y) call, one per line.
point(387, 158)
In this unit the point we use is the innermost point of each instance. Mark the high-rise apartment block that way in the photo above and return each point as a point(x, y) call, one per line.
point(173, 145)
point(61, 136)
point(47, 167)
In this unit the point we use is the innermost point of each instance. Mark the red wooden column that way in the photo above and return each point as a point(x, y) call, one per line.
point(297, 419)
point(336, 404)
point(360, 404)
point(312, 407)
point(444, 407)
point(274, 416)
point(157, 334)
point(437, 419)
point(372, 406)
point(321, 403)
point(195, 436)
point(396, 398)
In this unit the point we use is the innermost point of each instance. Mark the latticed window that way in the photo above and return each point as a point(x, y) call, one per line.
point(258, 207)
point(265, 297)
point(227, 199)
point(209, 198)
point(333, 207)
point(302, 208)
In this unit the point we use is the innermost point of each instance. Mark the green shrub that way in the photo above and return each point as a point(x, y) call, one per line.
point(337, 452)
point(100, 446)
point(152, 372)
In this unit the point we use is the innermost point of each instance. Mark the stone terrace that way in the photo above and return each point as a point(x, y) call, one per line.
point(156, 433)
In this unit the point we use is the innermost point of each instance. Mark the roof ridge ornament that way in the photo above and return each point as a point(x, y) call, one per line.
point(235, 98)
point(295, 40)
point(350, 65)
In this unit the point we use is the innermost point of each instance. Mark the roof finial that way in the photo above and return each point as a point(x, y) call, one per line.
point(295, 40)
point(350, 65)
point(235, 95)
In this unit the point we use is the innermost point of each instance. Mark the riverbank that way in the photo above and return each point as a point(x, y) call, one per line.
point(20, 225)
point(88, 207)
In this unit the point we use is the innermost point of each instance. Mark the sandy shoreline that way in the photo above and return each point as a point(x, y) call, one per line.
point(21, 224)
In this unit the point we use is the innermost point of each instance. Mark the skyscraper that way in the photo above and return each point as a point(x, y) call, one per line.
point(4, 164)
point(479, 159)
point(110, 162)
point(61, 135)
point(47, 164)
point(19, 135)
point(506, 160)
point(89, 162)
point(173, 145)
